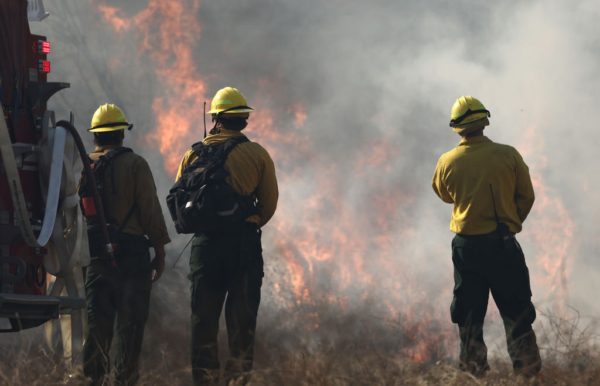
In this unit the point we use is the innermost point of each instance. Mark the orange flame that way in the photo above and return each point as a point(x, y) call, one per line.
point(168, 31)
point(325, 231)
point(551, 228)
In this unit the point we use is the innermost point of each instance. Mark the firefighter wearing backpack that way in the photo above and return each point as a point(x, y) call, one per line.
point(226, 262)
point(132, 210)
point(489, 185)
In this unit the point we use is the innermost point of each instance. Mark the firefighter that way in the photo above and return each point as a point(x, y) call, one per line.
point(489, 185)
point(229, 265)
point(132, 210)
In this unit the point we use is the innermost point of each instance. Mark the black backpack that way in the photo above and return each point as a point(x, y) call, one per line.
point(201, 200)
point(88, 207)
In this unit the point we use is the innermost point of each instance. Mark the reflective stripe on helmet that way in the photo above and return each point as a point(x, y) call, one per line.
point(109, 117)
point(469, 112)
point(467, 109)
point(226, 97)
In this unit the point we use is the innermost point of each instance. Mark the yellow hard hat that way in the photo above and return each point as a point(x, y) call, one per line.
point(467, 109)
point(109, 118)
point(229, 100)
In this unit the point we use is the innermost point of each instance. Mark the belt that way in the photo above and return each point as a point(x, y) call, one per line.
point(493, 235)
point(496, 235)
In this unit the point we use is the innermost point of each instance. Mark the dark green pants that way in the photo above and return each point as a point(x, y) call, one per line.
point(124, 295)
point(225, 265)
point(481, 265)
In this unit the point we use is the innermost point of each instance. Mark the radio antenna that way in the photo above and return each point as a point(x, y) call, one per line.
point(204, 119)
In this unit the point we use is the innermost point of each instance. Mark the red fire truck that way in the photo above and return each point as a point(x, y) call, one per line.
point(42, 232)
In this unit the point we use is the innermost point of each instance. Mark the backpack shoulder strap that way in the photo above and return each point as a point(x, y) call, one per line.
point(230, 144)
point(105, 160)
point(128, 217)
point(198, 147)
point(114, 153)
point(221, 150)
point(226, 147)
point(111, 155)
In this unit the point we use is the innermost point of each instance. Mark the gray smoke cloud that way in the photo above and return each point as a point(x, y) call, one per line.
point(376, 81)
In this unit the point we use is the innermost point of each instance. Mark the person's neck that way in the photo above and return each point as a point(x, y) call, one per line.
point(478, 133)
point(219, 127)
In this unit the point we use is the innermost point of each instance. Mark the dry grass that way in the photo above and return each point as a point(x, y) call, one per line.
point(360, 354)
point(38, 368)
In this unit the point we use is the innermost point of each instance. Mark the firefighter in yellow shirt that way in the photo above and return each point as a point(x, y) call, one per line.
point(491, 190)
point(132, 211)
point(227, 266)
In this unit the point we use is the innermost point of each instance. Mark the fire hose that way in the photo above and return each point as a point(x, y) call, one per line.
point(69, 283)
point(59, 170)
point(63, 256)
point(67, 247)
point(16, 191)
point(92, 181)
point(18, 198)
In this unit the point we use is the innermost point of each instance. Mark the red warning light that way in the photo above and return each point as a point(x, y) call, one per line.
point(43, 47)
point(44, 66)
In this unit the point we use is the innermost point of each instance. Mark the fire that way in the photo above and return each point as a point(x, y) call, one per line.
point(300, 116)
point(170, 46)
point(110, 15)
point(345, 227)
point(379, 152)
point(550, 227)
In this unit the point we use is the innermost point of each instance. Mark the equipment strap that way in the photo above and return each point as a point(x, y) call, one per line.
point(113, 153)
point(108, 158)
point(494, 202)
point(201, 150)
point(200, 147)
point(128, 217)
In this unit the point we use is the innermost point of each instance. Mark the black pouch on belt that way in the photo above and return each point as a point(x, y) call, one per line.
point(128, 243)
point(506, 236)
point(132, 254)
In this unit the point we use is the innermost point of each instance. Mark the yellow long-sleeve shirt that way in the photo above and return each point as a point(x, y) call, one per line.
point(134, 184)
point(250, 168)
point(463, 177)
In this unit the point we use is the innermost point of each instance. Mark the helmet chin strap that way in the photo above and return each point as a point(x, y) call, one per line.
point(234, 123)
point(215, 129)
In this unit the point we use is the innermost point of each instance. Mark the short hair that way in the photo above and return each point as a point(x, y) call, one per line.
point(108, 138)
point(234, 123)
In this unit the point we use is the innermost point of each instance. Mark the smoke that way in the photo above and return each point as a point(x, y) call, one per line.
point(352, 101)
